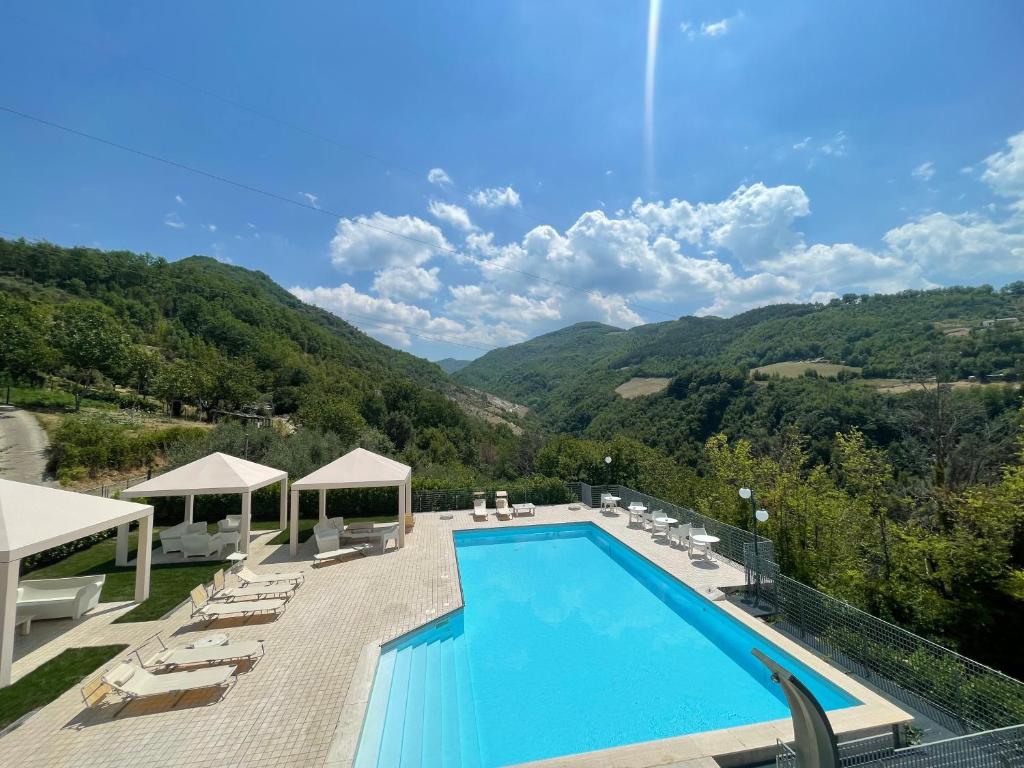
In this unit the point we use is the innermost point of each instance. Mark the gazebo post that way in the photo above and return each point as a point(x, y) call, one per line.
point(243, 529)
point(402, 490)
point(190, 505)
point(8, 607)
point(142, 562)
point(323, 504)
point(284, 504)
point(121, 551)
point(293, 538)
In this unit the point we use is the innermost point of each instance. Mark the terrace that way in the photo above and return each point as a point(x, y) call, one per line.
point(305, 702)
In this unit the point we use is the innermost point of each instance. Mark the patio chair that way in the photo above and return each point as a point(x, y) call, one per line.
point(680, 534)
point(658, 529)
point(648, 520)
point(702, 548)
point(167, 659)
point(131, 682)
point(248, 577)
point(230, 524)
point(257, 592)
point(203, 608)
point(327, 537)
point(480, 509)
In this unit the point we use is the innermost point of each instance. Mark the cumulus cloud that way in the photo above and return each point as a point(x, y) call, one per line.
point(407, 282)
point(439, 177)
point(453, 214)
point(495, 197)
point(1004, 171)
point(173, 220)
point(380, 241)
point(924, 172)
point(964, 247)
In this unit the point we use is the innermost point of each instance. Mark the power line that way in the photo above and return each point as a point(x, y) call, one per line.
point(299, 204)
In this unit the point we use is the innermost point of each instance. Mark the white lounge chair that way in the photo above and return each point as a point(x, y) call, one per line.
point(480, 509)
point(501, 508)
point(221, 591)
point(248, 651)
point(203, 608)
point(131, 682)
point(67, 598)
point(248, 577)
point(382, 534)
point(229, 524)
point(339, 552)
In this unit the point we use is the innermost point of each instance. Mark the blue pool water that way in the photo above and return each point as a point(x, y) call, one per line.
point(569, 641)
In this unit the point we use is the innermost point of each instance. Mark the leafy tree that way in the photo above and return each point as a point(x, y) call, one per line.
point(90, 342)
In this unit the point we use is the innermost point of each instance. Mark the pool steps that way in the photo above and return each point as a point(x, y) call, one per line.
point(420, 713)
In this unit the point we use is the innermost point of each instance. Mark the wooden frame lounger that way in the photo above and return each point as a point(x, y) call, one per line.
point(130, 683)
point(203, 608)
point(221, 591)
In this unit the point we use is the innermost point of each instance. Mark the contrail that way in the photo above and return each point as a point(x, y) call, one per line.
point(653, 23)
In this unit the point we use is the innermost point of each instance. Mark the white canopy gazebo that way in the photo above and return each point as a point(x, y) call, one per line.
point(34, 518)
point(216, 473)
point(358, 468)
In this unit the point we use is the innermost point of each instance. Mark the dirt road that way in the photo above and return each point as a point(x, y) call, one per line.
point(23, 446)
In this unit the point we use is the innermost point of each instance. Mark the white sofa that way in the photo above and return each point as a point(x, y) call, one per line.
point(229, 524)
point(170, 538)
point(204, 545)
point(59, 598)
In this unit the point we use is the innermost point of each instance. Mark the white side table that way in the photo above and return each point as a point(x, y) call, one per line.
point(236, 559)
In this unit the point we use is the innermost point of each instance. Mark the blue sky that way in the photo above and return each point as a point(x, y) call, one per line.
point(800, 150)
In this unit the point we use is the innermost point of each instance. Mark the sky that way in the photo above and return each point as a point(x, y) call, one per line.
point(455, 176)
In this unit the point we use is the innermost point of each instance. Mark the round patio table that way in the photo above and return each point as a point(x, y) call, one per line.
point(703, 538)
point(666, 520)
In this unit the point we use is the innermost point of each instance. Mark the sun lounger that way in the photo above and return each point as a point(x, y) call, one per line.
point(257, 592)
point(501, 508)
point(131, 682)
point(207, 655)
point(340, 552)
point(202, 608)
point(248, 577)
point(480, 509)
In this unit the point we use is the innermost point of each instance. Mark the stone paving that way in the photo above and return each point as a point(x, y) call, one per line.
point(287, 709)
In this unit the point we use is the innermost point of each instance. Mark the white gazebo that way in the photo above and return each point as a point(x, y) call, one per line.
point(216, 473)
point(358, 468)
point(34, 518)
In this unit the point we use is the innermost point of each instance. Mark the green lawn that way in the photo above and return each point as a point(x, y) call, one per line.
point(169, 585)
point(44, 684)
point(55, 399)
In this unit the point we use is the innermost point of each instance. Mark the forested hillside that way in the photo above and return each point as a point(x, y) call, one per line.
point(207, 338)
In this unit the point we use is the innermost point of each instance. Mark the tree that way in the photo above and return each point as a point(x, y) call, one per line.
point(90, 341)
point(331, 413)
point(24, 352)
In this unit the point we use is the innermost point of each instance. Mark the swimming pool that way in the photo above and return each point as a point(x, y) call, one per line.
point(569, 642)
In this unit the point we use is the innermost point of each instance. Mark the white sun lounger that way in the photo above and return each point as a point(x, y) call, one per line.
point(208, 655)
point(202, 608)
point(340, 552)
point(256, 592)
point(248, 577)
point(131, 682)
point(480, 509)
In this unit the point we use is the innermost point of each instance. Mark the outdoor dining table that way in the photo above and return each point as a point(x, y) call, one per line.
point(666, 521)
point(703, 538)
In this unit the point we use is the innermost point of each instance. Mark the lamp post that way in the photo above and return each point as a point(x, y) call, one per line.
point(756, 516)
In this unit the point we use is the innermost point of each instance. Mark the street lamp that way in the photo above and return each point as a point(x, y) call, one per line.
point(756, 516)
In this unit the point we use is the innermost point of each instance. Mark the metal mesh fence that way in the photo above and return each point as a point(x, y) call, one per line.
point(956, 691)
point(108, 490)
point(443, 500)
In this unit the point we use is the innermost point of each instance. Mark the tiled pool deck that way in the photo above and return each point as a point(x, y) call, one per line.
point(290, 710)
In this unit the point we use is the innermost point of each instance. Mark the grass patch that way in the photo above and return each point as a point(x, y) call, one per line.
point(793, 370)
point(169, 584)
point(44, 684)
point(52, 399)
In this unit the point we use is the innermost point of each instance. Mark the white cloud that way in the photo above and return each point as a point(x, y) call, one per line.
point(835, 146)
point(179, 199)
point(803, 143)
point(715, 28)
point(964, 247)
point(439, 177)
point(495, 197)
point(380, 241)
point(924, 172)
point(210, 227)
point(455, 215)
point(312, 199)
point(173, 220)
point(1004, 171)
point(407, 282)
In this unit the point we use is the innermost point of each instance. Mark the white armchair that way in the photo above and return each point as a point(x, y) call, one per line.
point(170, 538)
point(328, 538)
point(229, 524)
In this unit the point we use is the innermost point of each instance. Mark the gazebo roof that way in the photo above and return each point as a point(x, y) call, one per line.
point(358, 468)
point(35, 517)
point(216, 473)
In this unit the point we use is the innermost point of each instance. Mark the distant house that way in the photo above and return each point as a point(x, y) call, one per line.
point(1008, 320)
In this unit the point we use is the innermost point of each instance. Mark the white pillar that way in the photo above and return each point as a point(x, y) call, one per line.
point(243, 529)
point(8, 605)
point(190, 505)
point(293, 539)
point(121, 551)
point(323, 504)
point(401, 515)
point(142, 562)
point(284, 505)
